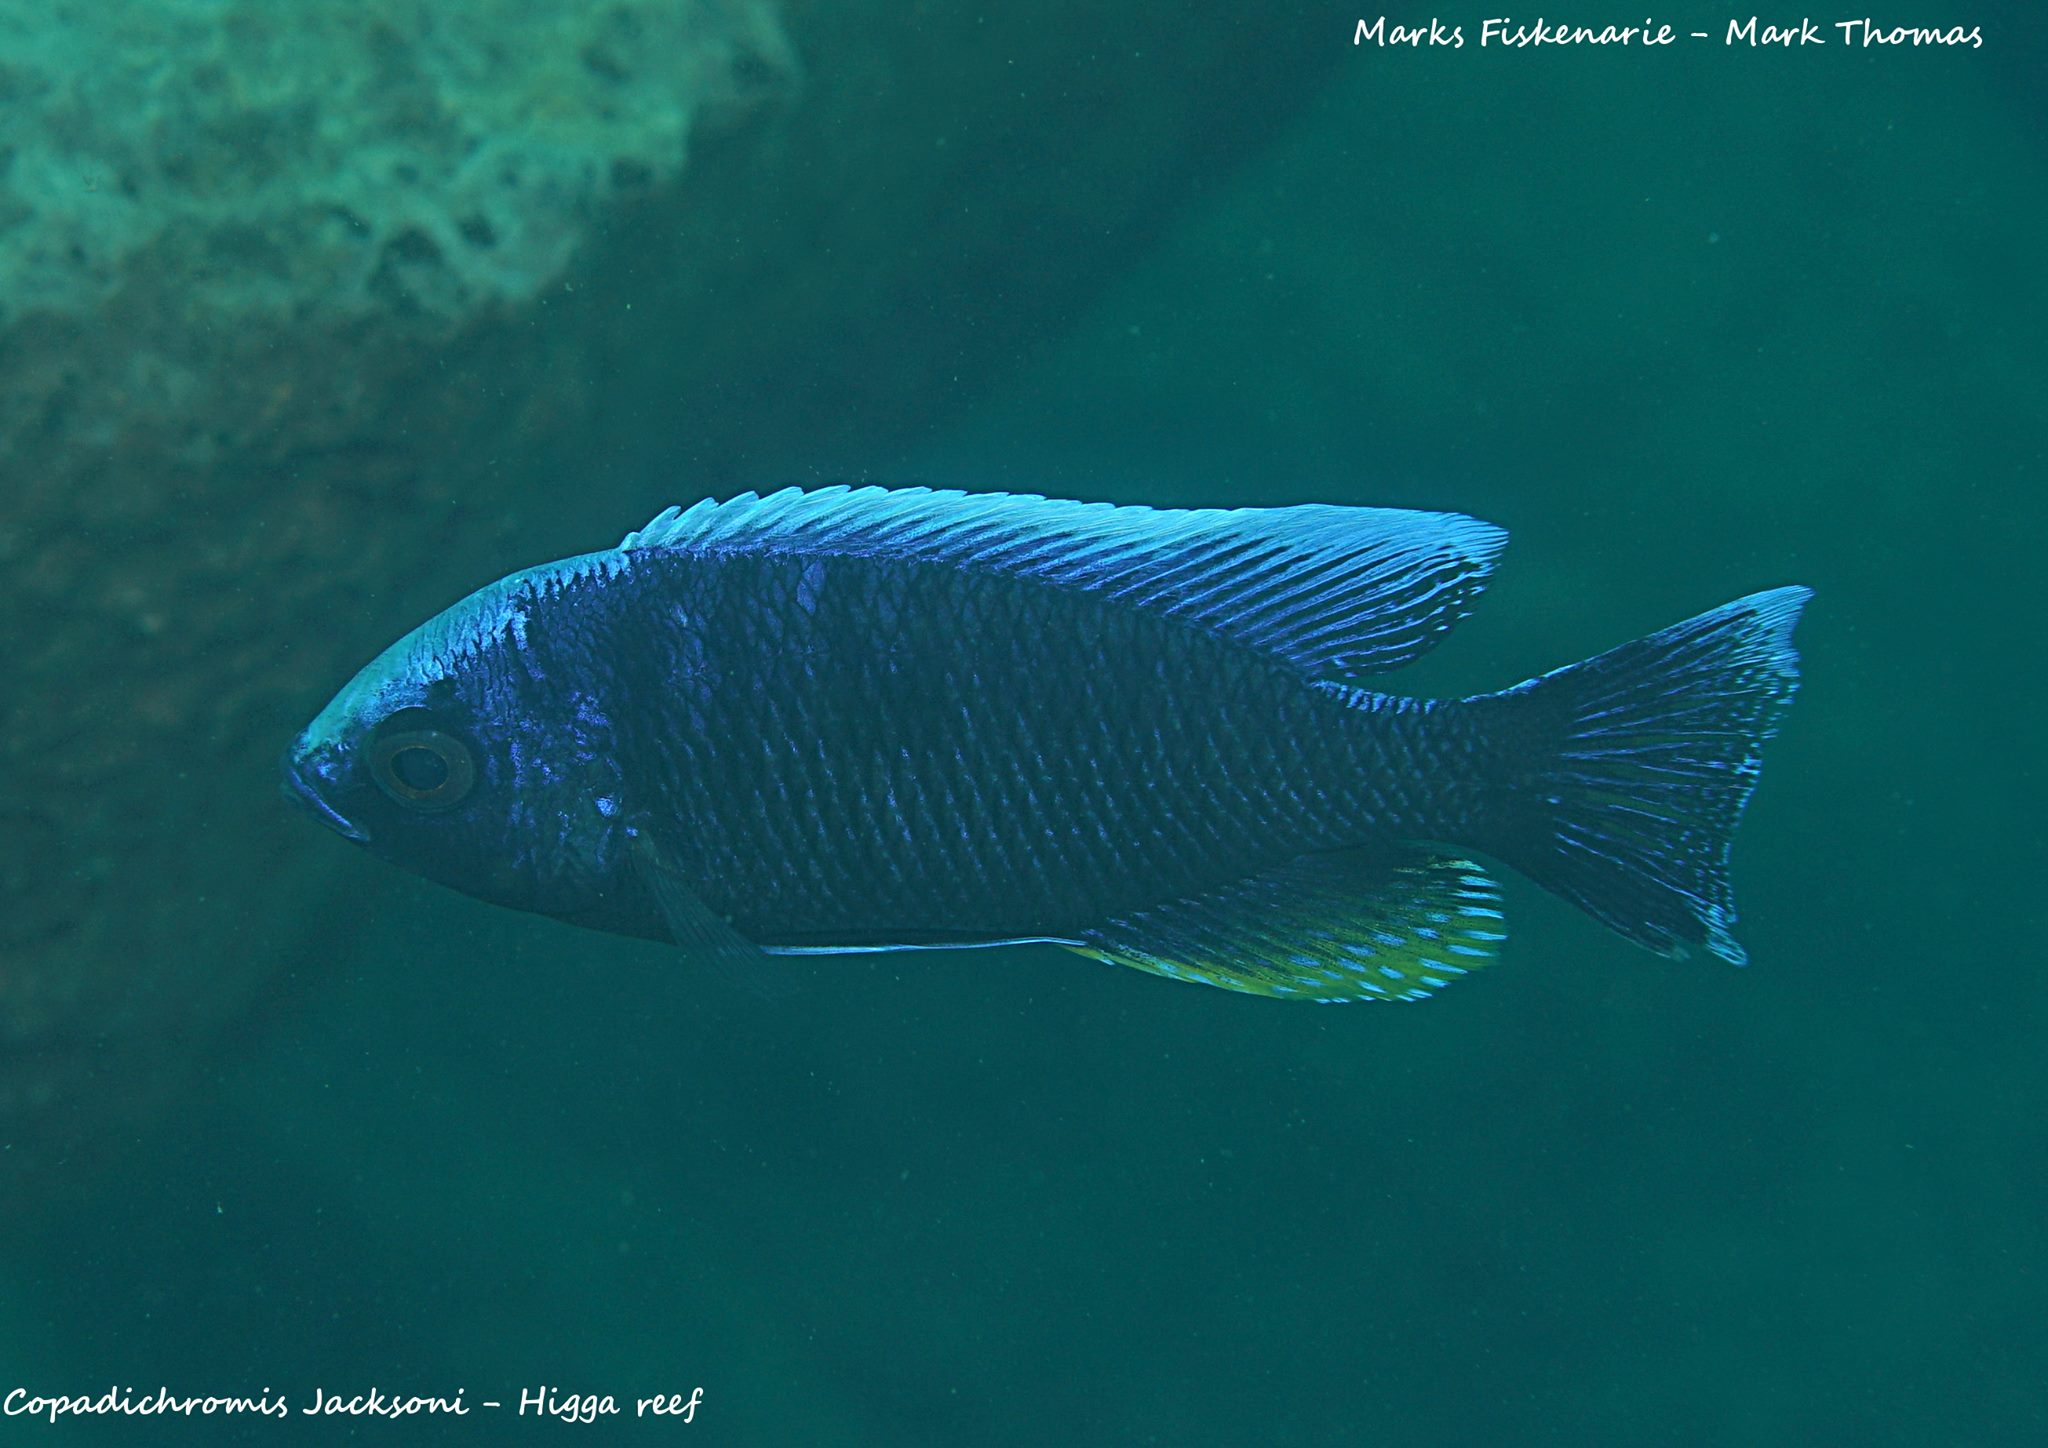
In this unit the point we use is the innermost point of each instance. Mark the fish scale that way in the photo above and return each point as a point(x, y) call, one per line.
point(984, 794)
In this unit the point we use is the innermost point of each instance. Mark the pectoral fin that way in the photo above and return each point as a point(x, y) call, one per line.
point(1349, 925)
point(706, 937)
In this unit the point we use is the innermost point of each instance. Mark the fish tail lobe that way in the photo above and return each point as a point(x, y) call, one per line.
point(1626, 774)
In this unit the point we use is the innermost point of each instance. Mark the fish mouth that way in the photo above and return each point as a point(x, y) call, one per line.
point(303, 792)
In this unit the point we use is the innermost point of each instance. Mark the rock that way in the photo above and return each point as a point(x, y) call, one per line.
point(237, 242)
point(346, 308)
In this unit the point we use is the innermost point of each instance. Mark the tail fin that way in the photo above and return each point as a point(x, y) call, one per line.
point(1631, 769)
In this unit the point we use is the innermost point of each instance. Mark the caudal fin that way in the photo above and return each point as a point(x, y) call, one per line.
point(1630, 770)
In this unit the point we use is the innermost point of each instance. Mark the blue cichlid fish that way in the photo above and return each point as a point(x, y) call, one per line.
point(870, 719)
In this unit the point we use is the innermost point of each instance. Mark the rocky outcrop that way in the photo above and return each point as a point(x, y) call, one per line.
point(312, 317)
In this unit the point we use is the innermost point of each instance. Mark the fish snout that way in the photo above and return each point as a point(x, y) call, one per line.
point(301, 786)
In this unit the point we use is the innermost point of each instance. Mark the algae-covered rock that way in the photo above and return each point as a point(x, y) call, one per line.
point(314, 316)
point(328, 158)
point(241, 246)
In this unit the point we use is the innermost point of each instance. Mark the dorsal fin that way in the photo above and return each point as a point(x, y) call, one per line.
point(1330, 589)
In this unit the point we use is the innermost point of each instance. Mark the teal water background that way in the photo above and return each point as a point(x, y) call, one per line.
point(1688, 326)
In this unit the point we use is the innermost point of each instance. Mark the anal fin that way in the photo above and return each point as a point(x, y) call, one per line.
point(1347, 925)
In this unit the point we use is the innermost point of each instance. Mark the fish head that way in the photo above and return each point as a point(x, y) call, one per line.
point(464, 754)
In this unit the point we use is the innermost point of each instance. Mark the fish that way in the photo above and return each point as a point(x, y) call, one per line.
point(858, 718)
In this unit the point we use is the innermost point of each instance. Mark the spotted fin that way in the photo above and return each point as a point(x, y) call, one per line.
point(1330, 589)
point(1351, 925)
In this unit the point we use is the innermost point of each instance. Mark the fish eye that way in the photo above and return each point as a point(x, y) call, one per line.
point(422, 768)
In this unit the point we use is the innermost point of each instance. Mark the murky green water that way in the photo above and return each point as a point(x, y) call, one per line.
point(1688, 325)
